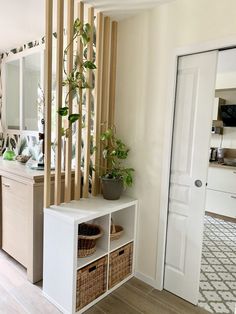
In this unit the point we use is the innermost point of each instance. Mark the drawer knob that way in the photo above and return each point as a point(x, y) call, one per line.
point(198, 183)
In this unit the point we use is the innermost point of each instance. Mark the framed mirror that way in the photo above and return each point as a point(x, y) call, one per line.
point(31, 88)
point(12, 99)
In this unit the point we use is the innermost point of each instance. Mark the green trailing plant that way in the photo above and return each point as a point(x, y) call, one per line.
point(76, 79)
point(114, 151)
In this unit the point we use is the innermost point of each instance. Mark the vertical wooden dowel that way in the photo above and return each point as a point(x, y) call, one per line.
point(70, 24)
point(48, 102)
point(77, 190)
point(112, 95)
point(87, 140)
point(97, 103)
point(59, 79)
point(105, 80)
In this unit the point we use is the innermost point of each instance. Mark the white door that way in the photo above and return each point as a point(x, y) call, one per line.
point(191, 137)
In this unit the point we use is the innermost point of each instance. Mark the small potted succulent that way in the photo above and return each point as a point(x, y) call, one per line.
point(115, 176)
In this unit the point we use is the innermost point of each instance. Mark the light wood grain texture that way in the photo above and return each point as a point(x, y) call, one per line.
point(97, 103)
point(22, 211)
point(17, 295)
point(59, 79)
point(105, 81)
point(113, 61)
point(87, 140)
point(1, 212)
point(48, 100)
point(70, 21)
point(15, 213)
point(79, 122)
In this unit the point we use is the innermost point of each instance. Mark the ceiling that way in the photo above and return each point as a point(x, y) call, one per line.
point(22, 21)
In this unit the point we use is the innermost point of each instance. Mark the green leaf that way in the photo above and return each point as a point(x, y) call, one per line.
point(63, 111)
point(87, 28)
point(73, 117)
point(63, 132)
point(85, 39)
point(89, 65)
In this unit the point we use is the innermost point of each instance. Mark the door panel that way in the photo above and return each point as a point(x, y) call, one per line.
point(191, 137)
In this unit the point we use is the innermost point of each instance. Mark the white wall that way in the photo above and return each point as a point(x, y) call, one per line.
point(145, 46)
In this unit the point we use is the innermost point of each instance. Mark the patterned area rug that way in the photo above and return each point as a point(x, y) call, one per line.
point(218, 268)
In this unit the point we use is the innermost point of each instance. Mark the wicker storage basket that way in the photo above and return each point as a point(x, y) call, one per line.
point(91, 282)
point(87, 237)
point(116, 232)
point(120, 265)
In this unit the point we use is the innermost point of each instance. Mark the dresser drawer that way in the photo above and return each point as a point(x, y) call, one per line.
point(221, 203)
point(15, 212)
point(222, 179)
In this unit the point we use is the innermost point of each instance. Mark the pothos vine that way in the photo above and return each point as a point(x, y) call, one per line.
point(76, 79)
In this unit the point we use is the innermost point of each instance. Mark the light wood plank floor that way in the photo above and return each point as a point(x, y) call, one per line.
point(17, 295)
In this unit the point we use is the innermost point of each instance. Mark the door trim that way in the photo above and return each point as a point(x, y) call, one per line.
point(223, 43)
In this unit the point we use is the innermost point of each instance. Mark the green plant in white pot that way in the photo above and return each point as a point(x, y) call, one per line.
point(115, 176)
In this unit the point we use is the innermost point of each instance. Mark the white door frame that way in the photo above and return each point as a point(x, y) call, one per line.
point(162, 225)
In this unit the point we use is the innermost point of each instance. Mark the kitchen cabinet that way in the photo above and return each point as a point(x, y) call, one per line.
point(221, 191)
point(217, 103)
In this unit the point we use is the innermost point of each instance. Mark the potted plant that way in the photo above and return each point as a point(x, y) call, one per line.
point(115, 176)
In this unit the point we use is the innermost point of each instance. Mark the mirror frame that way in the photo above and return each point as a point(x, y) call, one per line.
point(20, 56)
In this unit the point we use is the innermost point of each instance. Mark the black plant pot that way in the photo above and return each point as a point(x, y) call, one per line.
point(112, 188)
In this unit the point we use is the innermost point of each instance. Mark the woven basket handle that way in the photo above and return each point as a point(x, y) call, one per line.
point(113, 227)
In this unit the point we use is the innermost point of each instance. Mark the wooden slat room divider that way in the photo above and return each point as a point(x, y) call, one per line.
point(95, 107)
point(78, 149)
point(48, 102)
point(59, 80)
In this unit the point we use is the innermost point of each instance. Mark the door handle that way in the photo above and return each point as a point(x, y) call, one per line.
point(198, 183)
point(6, 185)
point(232, 196)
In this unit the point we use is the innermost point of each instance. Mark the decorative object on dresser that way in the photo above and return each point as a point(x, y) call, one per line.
point(115, 176)
point(22, 158)
point(88, 234)
point(9, 154)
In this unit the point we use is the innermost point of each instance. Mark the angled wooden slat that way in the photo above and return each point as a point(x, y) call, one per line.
point(59, 79)
point(97, 103)
point(105, 80)
point(113, 61)
point(70, 22)
point(87, 140)
point(48, 102)
point(77, 190)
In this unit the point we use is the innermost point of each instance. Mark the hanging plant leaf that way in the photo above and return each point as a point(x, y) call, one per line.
point(63, 111)
point(73, 117)
point(87, 28)
point(85, 39)
point(89, 65)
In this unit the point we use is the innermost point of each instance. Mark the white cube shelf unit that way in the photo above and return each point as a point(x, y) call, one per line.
point(61, 262)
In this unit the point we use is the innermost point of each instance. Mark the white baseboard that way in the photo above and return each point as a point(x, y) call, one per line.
point(148, 280)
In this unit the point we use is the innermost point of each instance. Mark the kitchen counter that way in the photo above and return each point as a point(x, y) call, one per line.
point(217, 165)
